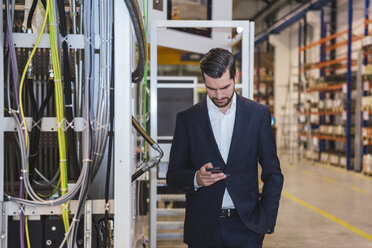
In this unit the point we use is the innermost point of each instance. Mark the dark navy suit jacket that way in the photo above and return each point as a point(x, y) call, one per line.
point(253, 141)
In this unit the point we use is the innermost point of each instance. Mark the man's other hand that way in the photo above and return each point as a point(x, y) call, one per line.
point(206, 178)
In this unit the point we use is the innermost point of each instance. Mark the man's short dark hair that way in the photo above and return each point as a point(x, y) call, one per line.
point(216, 62)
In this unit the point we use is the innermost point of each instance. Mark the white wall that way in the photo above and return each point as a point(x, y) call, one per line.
point(286, 66)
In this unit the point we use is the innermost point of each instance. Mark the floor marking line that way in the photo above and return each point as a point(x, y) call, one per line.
point(329, 180)
point(327, 215)
point(307, 172)
point(338, 169)
point(358, 189)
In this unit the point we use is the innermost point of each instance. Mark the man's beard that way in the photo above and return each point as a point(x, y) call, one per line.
point(222, 104)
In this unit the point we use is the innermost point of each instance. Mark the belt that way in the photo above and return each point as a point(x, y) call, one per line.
point(225, 213)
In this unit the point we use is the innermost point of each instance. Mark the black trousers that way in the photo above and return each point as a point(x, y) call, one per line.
point(232, 233)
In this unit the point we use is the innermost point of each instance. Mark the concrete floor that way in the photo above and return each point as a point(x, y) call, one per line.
point(321, 206)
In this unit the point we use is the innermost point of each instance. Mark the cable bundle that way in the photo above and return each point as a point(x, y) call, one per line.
point(98, 108)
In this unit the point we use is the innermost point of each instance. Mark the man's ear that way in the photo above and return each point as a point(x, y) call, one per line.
point(236, 77)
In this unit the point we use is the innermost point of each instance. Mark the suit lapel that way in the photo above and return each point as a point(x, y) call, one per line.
point(203, 116)
point(239, 126)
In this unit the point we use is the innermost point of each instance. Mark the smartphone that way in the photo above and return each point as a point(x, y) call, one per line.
point(214, 170)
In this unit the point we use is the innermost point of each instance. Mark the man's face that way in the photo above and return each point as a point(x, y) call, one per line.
point(221, 90)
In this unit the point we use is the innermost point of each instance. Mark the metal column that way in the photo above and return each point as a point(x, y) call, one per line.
point(258, 72)
point(123, 128)
point(348, 117)
point(3, 214)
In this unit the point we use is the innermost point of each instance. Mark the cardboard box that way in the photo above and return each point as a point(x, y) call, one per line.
point(367, 168)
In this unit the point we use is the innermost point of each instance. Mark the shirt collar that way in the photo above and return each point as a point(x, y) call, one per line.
point(212, 108)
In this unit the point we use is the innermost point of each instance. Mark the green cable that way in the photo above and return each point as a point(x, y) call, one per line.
point(60, 112)
point(54, 190)
point(145, 81)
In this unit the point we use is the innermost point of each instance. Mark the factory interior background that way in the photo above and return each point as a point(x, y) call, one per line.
point(98, 85)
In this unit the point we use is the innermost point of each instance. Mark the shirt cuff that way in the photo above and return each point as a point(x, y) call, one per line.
point(196, 186)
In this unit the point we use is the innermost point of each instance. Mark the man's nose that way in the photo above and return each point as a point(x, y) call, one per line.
point(218, 94)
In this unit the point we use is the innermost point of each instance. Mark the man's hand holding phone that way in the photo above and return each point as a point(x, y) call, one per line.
point(208, 175)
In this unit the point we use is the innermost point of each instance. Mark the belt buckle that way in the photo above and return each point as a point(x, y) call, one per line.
point(229, 212)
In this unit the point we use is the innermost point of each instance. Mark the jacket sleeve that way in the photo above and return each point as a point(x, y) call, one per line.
point(180, 173)
point(271, 173)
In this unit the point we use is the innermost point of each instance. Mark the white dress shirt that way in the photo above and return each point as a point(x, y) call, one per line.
point(222, 126)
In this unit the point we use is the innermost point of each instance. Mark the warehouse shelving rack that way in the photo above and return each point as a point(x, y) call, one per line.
point(325, 67)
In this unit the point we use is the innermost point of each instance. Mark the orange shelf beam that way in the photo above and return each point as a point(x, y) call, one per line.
point(325, 137)
point(328, 88)
point(321, 41)
point(343, 43)
point(327, 63)
point(322, 113)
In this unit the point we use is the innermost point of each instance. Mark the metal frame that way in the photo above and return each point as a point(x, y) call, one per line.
point(122, 160)
point(247, 83)
point(123, 148)
point(348, 94)
point(3, 216)
point(25, 40)
point(88, 224)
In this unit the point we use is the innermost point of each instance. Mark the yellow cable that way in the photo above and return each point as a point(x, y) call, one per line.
point(27, 234)
point(21, 103)
point(25, 71)
point(59, 111)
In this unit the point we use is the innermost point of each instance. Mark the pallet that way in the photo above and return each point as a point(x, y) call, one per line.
point(366, 108)
point(367, 173)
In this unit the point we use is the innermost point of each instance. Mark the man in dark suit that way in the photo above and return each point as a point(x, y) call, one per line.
point(225, 130)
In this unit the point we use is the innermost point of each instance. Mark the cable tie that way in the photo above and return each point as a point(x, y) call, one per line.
point(57, 80)
point(36, 124)
point(105, 66)
point(52, 24)
point(69, 105)
point(88, 40)
point(87, 160)
point(20, 178)
point(62, 160)
point(106, 88)
point(64, 38)
point(60, 124)
point(76, 220)
point(69, 124)
point(13, 111)
point(100, 126)
point(98, 154)
point(24, 171)
point(22, 209)
point(33, 155)
point(103, 41)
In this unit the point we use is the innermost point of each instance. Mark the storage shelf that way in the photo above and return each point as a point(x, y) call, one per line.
point(324, 113)
point(327, 88)
point(326, 137)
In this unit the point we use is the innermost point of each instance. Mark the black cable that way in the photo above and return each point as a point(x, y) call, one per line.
point(44, 3)
point(32, 12)
point(70, 135)
point(142, 132)
point(139, 30)
point(36, 117)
